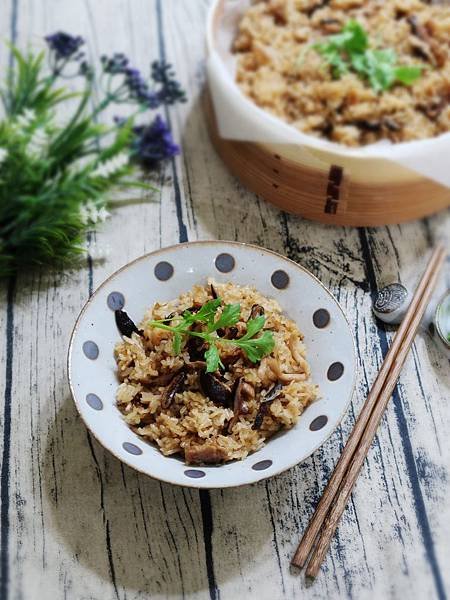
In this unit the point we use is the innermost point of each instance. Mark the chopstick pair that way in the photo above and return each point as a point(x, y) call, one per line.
point(317, 537)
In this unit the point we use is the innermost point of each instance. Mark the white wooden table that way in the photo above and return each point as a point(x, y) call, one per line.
point(76, 523)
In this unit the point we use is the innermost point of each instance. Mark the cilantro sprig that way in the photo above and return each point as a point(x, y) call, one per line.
point(254, 346)
point(350, 50)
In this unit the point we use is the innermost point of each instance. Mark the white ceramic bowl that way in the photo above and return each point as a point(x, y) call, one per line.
point(163, 275)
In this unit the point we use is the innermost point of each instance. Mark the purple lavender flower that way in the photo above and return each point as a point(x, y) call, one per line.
point(139, 90)
point(64, 45)
point(153, 143)
point(170, 91)
point(117, 64)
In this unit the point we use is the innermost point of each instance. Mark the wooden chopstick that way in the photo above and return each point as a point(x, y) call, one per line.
point(391, 364)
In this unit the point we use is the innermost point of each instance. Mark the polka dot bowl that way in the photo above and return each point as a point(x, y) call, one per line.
point(163, 275)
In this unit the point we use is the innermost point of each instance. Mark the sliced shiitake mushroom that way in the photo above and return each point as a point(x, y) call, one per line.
point(195, 346)
point(125, 325)
point(217, 391)
point(213, 291)
point(136, 399)
point(173, 388)
point(228, 333)
point(272, 393)
point(256, 311)
point(367, 125)
point(243, 391)
point(260, 416)
point(169, 318)
point(266, 399)
point(426, 46)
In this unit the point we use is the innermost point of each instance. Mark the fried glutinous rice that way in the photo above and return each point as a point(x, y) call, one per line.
point(278, 68)
point(171, 400)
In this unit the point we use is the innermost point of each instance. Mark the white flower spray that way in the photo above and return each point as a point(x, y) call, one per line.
point(38, 143)
point(91, 214)
point(112, 166)
point(26, 119)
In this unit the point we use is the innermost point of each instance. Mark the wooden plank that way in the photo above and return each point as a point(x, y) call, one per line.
point(80, 511)
point(7, 288)
point(340, 264)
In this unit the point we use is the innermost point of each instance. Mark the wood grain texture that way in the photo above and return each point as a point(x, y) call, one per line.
point(277, 175)
point(76, 523)
point(336, 495)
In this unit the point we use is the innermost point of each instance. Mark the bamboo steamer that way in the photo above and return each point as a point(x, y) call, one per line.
point(324, 186)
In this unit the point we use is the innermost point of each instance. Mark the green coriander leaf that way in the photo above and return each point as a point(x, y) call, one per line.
point(338, 65)
point(253, 326)
point(332, 56)
point(380, 69)
point(387, 56)
point(256, 348)
point(212, 358)
point(407, 75)
point(205, 314)
point(359, 63)
point(176, 343)
point(230, 315)
point(350, 49)
point(356, 40)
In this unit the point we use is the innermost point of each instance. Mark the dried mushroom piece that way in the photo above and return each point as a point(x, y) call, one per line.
point(260, 416)
point(256, 311)
point(229, 333)
point(125, 325)
point(266, 400)
point(217, 392)
point(173, 388)
point(243, 391)
point(213, 291)
point(272, 393)
point(425, 45)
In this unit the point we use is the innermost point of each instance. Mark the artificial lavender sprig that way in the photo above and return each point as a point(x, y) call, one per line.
point(153, 143)
point(64, 45)
point(55, 179)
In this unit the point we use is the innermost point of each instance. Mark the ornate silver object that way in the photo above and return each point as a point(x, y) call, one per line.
point(391, 303)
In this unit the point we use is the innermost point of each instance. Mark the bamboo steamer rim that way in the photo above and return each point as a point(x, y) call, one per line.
point(331, 188)
point(326, 151)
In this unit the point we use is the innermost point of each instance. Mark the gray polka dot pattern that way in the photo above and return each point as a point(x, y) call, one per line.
point(280, 280)
point(163, 271)
point(94, 401)
point(225, 263)
point(335, 371)
point(321, 318)
point(262, 465)
point(194, 473)
point(90, 350)
point(318, 423)
point(115, 301)
point(131, 448)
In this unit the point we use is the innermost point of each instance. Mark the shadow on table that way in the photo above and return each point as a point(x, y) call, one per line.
point(134, 532)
